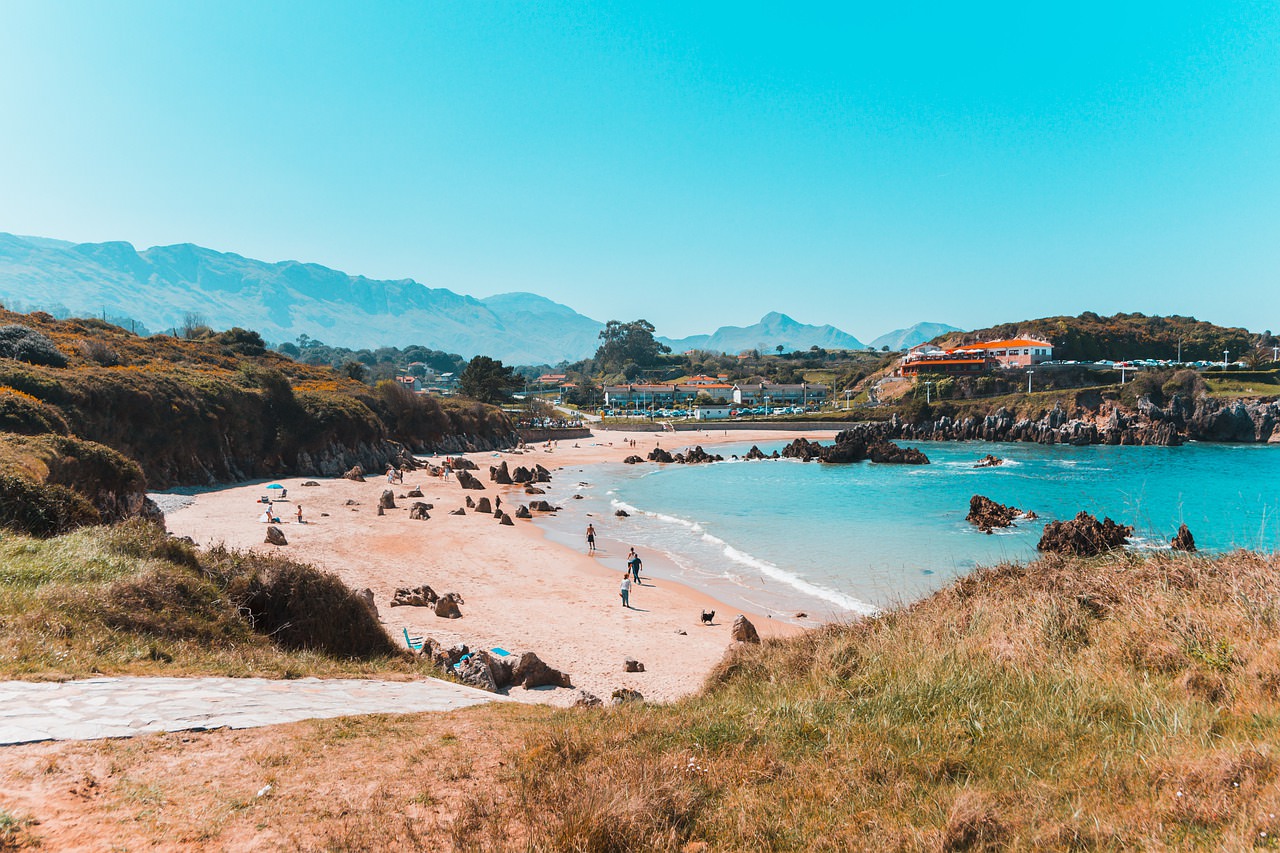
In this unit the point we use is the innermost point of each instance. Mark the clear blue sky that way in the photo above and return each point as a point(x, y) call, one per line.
point(866, 165)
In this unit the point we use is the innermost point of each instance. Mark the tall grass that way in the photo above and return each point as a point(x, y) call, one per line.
point(1122, 702)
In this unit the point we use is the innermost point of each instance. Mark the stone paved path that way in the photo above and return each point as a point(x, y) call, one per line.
point(123, 707)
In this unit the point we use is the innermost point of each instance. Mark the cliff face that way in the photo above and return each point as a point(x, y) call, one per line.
point(1205, 419)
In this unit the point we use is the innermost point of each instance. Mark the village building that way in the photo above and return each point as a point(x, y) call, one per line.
point(976, 359)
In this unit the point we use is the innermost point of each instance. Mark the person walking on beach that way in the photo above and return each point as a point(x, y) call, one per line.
point(591, 539)
point(625, 591)
point(633, 564)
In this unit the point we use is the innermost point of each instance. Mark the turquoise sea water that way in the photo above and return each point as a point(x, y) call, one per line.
point(835, 540)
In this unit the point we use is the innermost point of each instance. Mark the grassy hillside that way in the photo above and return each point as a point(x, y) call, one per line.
point(173, 411)
point(1117, 703)
point(1091, 337)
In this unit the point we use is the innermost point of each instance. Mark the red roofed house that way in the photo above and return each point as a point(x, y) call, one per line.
point(1013, 352)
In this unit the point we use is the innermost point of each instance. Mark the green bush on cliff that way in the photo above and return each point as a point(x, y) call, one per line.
point(24, 344)
point(42, 509)
point(25, 415)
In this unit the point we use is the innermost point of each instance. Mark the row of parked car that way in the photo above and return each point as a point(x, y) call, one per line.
point(744, 411)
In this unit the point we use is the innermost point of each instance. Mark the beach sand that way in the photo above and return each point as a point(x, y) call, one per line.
point(522, 592)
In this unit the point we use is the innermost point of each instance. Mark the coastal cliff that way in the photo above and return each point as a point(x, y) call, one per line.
point(1177, 421)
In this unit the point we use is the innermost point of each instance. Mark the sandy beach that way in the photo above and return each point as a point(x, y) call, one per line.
point(522, 592)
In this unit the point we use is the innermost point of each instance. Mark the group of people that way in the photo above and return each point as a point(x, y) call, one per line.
point(269, 517)
point(631, 575)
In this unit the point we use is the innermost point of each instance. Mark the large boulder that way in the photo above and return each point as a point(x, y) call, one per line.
point(484, 506)
point(476, 672)
point(743, 631)
point(660, 455)
point(541, 475)
point(755, 453)
point(542, 506)
point(447, 606)
point(414, 493)
point(632, 460)
point(697, 455)
point(1184, 541)
point(988, 461)
point(1084, 536)
point(985, 513)
point(504, 518)
point(522, 511)
point(356, 473)
point(468, 480)
point(462, 463)
point(530, 672)
point(499, 474)
point(418, 596)
point(632, 665)
point(275, 536)
point(388, 499)
point(418, 511)
point(471, 502)
point(534, 490)
point(522, 475)
point(623, 695)
point(458, 511)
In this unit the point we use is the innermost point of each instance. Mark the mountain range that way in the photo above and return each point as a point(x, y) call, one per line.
point(900, 339)
point(165, 286)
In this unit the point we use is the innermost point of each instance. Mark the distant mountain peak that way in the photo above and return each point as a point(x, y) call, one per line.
point(774, 329)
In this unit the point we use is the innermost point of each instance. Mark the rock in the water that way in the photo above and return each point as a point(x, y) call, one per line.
point(743, 631)
point(447, 606)
point(531, 672)
point(854, 445)
point(755, 453)
point(1084, 536)
point(458, 511)
point(633, 459)
point(577, 497)
point(366, 596)
point(418, 596)
point(985, 513)
point(356, 473)
point(583, 699)
point(505, 519)
point(1184, 541)
point(534, 490)
point(541, 475)
point(484, 506)
point(622, 513)
point(522, 475)
point(388, 499)
point(988, 461)
point(660, 455)
point(468, 480)
point(542, 506)
point(275, 536)
point(632, 665)
point(626, 694)
point(697, 455)
point(414, 493)
point(418, 511)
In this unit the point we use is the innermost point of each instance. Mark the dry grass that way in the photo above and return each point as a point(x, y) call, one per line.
point(1117, 703)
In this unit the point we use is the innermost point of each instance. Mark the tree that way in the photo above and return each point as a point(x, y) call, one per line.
point(779, 348)
point(487, 380)
point(628, 343)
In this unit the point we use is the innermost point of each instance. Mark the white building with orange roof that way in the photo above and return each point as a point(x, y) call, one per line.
point(1011, 352)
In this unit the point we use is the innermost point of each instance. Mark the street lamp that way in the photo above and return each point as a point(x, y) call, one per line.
point(766, 405)
point(928, 391)
point(1029, 373)
point(1226, 361)
point(847, 393)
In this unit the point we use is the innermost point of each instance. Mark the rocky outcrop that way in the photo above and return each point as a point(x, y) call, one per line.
point(541, 475)
point(458, 511)
point(986, 514)
point(506, 519)
point(447, 606)
point(632, 665)
point(743, 631)
point(484, 506)
point(633, 460)
point(1184, 541)
point(387, 500)
point(1084, 536)
point(468, 480)
point(623, 695)
point(542, 506)
point(660, 455)
point(418, 512)
point(414, 493)
point(697, 455)
point(275, 536)
point(622, 513)
point(462, 463)
point(756, 453)
point(856, 444)
point(530, 671)
point(418, 596)
point(522, 511)
point(355, 473)
point(499, 474)
point(988, 461)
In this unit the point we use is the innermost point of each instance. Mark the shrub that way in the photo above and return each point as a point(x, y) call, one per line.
point(42, 509)
point(299, 606)
point(24, 344)
point(25, 415)
point(1189, 384)
point(98, 352)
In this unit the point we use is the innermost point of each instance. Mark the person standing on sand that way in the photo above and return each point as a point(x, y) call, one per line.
point(633, 564)
point(625, 591)
point(298, 511)
point(591, 539)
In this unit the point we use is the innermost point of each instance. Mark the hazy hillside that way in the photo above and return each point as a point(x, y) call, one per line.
point(900, 339)
point(159, 286)
point(773, 330)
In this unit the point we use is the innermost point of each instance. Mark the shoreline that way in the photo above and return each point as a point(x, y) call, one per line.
point(522, 590)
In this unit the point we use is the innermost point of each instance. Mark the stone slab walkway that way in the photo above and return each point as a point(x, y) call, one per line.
point(122, 707)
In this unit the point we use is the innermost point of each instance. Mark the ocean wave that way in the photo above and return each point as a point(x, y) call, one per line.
point(742, 558)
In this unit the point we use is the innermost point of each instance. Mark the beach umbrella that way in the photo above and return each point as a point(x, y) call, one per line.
point(275, 486)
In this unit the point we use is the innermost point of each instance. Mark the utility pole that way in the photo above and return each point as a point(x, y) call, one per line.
point(1226, 361)
point(1029, 374)
point(928, 391)
point(1179, 350)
